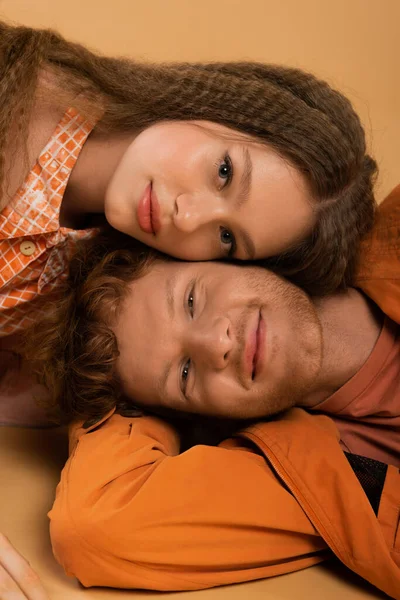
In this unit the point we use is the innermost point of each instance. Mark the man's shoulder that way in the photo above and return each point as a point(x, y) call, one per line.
point(380, 248)
point(378, 273)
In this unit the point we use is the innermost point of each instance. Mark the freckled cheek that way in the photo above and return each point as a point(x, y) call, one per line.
point(140, 386)
point(136, 374)
point(219, 393)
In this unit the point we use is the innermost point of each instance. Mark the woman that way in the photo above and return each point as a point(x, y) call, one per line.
point(200, 161)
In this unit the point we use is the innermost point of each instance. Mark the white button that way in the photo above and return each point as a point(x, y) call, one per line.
point(27, 248)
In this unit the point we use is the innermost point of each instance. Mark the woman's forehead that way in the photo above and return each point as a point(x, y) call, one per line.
point(227, 132)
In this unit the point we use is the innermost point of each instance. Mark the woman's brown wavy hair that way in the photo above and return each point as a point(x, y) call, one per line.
point(301, 117)
point(72, 349)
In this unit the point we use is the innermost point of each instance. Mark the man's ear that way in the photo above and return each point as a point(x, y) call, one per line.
point(10, 372)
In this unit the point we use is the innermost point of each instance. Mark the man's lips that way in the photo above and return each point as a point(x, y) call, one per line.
point(255, 346)
point(148, 211)
point(258, 360)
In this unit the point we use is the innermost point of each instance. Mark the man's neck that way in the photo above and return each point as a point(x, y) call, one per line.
point(351, 325)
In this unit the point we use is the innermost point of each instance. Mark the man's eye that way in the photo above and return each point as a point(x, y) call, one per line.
point(185, 375)
point(225, 170)
point(227, 240)
point(190, 301)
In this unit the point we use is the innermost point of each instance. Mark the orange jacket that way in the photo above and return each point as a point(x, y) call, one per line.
point(379, 271)
point(132, 512)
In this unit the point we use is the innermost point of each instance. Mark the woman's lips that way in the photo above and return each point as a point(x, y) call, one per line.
point(148, 212)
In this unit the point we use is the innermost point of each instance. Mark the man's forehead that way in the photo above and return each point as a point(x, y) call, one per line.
point(219, 268)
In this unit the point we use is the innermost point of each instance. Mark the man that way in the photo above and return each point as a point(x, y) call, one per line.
point(239, 342)
point(131, 511)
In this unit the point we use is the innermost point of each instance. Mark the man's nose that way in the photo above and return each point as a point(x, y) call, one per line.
point(192, 211)
point(212, 343)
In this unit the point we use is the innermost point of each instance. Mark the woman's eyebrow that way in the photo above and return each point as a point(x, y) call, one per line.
point(245, 180)
point(247, 243)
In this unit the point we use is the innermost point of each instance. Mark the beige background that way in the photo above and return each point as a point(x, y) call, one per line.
point(352, 43)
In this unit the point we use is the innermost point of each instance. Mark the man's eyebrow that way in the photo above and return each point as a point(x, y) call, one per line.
point(170, 295)
point(245, 180)
point(170, 285)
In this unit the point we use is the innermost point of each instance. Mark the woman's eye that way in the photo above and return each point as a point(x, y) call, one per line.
point(185, 375)
point(228, 239)
point(225, 170)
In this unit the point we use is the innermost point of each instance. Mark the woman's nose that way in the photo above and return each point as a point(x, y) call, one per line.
point(192, 211)
point(212, 343)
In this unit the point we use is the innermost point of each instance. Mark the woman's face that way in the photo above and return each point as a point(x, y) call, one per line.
point(200, 191)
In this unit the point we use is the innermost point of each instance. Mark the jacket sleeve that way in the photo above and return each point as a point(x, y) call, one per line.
point(131, 512)
point(379, 268)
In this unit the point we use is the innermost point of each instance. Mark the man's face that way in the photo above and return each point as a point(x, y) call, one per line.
point(217, 339)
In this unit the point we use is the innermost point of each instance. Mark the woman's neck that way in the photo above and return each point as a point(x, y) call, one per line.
point(43, 121)
point(351, 325)
point(90, 177)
